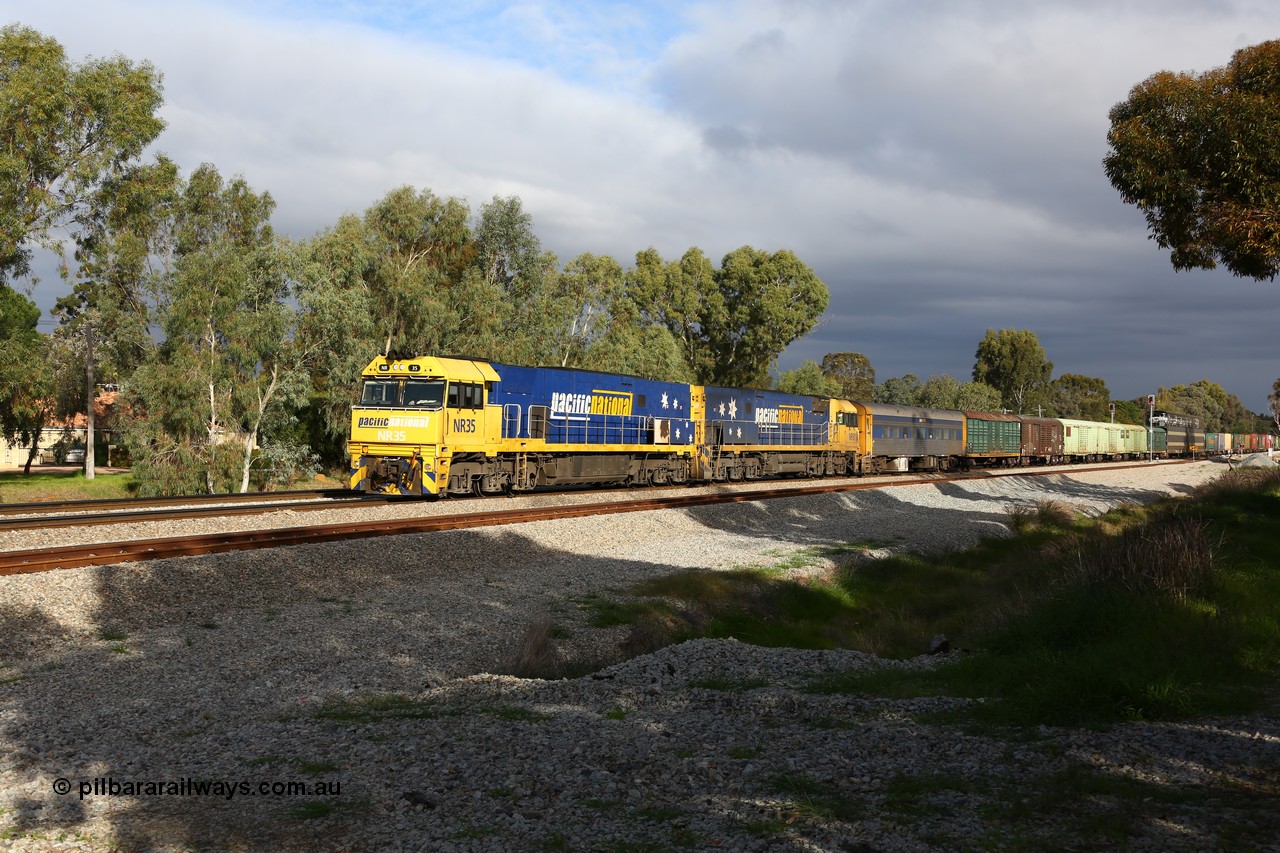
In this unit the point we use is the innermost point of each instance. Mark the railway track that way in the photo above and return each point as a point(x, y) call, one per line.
point(106, 505)
point(96, 513)
point(74, 556)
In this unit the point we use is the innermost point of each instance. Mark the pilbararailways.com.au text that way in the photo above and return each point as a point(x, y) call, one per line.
point(109, 786)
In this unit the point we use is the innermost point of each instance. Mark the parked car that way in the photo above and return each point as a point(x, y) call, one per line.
point(75, 456)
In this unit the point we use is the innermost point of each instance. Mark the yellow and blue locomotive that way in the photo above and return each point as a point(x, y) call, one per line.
point(437, 426)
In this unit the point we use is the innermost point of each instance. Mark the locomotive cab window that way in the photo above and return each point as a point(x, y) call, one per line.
point(424, 393)
point(472, 395)
point(380, 392)
point(466, 395)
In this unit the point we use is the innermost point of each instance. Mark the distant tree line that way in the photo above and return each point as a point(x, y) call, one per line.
point(1011, 373)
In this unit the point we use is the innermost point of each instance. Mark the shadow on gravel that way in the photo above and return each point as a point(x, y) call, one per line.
point(219, 669)
point(212, 669)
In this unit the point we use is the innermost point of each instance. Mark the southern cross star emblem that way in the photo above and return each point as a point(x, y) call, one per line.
point(733, 408)
point(665, 402)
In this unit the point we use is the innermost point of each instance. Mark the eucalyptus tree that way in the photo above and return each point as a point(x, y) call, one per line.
point(1013, 362)
point(584, 295)
point(1203, 400)
point(945, 392)
point(420, 244)
point(1082, 397)
point(853, 372)
point(809, 378)
point(1131, 411)
point(1199, 154)
point(124, 251)
point(26, 387)
point(230, 358)
point(674, 295)
point(731, 322)
point(938, 392)
point(63, 129)
point(977, 397)
point(899, 390)
point(765, 302)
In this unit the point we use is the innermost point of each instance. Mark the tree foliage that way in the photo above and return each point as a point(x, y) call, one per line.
point(230, 365)
point(762, 303)
point(1013, 362)
point(899, 390)
point(1080, 397)
point(945, 392)
point(1274, 400)
point(1199, 154)
point(26, 385)
point(1131, 411)
point(810, 378)
point(853, 372)
point(63, 129)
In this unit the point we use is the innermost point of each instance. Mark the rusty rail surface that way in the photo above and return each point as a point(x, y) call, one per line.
point(128, 515)
point(74, 556)
point(105, 504)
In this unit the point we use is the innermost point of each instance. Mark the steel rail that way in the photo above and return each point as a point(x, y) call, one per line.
point(101, 504)
point(144, 515)
point(75, 556)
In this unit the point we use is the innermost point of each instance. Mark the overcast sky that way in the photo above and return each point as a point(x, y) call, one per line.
point(937, 163)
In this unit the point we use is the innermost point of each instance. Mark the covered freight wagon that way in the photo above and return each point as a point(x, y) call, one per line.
point(1092, 441)
point(1041, 439)
point(992, 438)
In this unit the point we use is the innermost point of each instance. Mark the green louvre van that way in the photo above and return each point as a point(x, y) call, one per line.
point(1088, 440)
point(993, 437)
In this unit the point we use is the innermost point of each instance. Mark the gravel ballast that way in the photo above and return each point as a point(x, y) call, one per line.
point(178, 700)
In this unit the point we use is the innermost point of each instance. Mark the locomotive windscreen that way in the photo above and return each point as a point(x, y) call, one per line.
point(380, 392)
point(424, 393)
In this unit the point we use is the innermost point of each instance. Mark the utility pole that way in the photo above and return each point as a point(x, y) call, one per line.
point(88, 414)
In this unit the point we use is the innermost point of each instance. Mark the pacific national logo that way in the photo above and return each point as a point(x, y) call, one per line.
point(769, 417)
point(392, 422)
point(596, 403)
